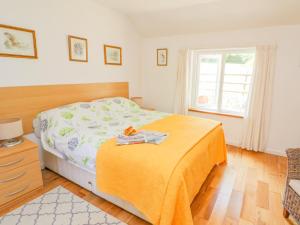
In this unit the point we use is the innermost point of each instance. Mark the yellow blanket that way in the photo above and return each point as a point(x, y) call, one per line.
point(162, 180)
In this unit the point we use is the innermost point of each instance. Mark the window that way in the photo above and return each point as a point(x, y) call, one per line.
point(222, 80)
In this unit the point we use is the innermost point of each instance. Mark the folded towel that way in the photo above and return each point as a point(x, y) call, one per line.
point(144, 136)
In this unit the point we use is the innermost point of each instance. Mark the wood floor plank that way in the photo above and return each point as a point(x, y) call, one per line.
point(262, 195)
point(204, 210)
point(124, 216)
point(248, 209)
point(240, 181)
point(234, 207)
point(245, 222)
point(219, 211)
point(249, 201)
point(230, 221)
point(263, 217)
point(200, 221)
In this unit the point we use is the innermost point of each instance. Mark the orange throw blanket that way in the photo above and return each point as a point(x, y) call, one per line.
point(162, 180)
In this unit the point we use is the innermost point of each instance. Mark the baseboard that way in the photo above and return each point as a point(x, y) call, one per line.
point(274, 152)
point(268, 151)
point(234, 143)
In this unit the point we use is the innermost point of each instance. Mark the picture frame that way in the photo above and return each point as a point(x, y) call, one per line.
point(112, 55)
point(162, 56)
point(17, 42)
point(78, 49)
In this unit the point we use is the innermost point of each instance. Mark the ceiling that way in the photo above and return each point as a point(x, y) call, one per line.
point(171, 17)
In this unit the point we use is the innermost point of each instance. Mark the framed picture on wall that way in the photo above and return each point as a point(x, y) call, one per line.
point(78, 49)
point(112, 55)
point(17, 42)
point(162, 56)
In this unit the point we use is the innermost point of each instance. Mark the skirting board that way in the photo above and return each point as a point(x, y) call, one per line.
point(276, 152)
point(268, 151)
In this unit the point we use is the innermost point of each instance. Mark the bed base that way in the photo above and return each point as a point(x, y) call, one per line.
point(85, 179)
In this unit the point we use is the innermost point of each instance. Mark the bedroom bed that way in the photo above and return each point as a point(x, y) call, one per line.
point(71, 135)
point(74, 135)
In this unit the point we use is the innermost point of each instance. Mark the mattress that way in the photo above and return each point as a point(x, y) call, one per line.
point(76, 132)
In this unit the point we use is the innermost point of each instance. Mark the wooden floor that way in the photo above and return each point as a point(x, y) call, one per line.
point(246, 191)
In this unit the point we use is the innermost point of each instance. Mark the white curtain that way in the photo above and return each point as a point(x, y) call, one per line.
point(181, 102)
point(257, 120)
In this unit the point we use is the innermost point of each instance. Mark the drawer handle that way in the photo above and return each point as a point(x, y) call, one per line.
point(18, 191)
point(13, 178)
point(12, 163)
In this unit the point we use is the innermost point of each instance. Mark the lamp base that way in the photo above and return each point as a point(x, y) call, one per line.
point(12, 142)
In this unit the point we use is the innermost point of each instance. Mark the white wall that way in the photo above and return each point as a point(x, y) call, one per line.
point(158, 83)
point(53, 20)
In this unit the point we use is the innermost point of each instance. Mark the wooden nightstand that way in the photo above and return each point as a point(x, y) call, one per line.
point(20, 172)
point(139, 101)
point(149, 109)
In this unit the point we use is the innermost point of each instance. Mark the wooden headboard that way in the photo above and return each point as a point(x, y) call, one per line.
point(27, 101)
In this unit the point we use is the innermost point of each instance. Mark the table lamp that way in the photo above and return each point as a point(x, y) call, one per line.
point(11, 131)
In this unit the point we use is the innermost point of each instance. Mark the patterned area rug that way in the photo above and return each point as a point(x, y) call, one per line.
point(58, 207)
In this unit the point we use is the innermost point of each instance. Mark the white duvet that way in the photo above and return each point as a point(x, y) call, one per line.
point(77, 130)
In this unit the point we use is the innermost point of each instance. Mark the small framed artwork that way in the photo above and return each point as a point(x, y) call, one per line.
point(162, 57)
point(17, 42)
point(112, 55)
point(78, 49)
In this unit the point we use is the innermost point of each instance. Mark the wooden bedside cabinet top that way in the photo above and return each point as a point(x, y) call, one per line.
point(149, 109)
point(25, 145)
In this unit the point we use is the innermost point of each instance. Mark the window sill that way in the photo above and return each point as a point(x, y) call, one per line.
point(216, 113)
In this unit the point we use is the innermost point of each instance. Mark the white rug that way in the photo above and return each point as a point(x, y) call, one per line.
point(58, 207)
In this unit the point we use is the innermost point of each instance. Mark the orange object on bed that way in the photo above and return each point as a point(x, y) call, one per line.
point(130, 131)
point(162, 180)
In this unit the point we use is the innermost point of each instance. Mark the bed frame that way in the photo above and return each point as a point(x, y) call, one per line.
point(26, 102)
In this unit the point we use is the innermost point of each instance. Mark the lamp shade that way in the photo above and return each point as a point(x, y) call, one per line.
point(10, 128)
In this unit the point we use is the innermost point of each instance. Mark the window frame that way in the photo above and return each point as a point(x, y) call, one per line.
point(220, 81)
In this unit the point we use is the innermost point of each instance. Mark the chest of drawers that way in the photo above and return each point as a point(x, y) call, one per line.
point(20, 172)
